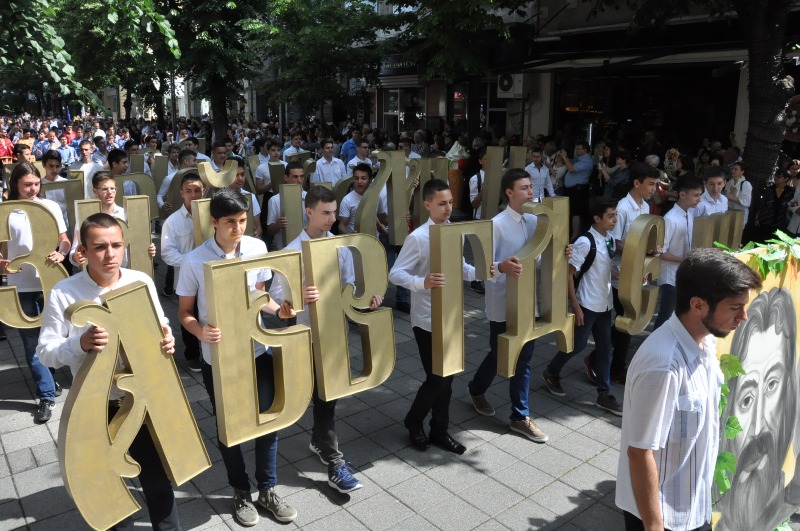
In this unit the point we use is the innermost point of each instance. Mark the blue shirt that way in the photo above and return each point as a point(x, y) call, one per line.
point(583, 170)
point(349, 150)
point(68, 155)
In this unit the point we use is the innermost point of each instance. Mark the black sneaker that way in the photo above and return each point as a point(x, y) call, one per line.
point(553, 382)
point(402, 307)
point(194, 365)
point(168, 291)
point(58, 389)
point(477, 286)
point(610, 404)
point(44, 411)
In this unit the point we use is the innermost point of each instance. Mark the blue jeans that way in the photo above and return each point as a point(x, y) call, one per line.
point(401, 294)
point(599, 325)
point(666, 306)
point(32, 303)
point(266, 445)
point(517, 384)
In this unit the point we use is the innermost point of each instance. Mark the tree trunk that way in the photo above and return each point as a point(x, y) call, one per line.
point(764, 24)
point(161, 123)
point(127, 105)
point(219, 106)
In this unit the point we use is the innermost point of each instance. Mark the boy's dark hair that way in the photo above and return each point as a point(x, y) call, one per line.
point(366, 168)
point(292, 166)
point(185, 154)
point(319, 194)
point(625, 155)
point(51, 154)
point(686, 184)
point(20, 147)
point(713, 276)
point(510, 177)
point(115, 156)
point(713, 171)
point(129, 144)
point(86, 141)
point(584, 144)
point(432, 187)
point(100, 220)
point(190, 178)
point(325, 141)
point(599, 205)
point(175, 147)
point(219, 144)
point(641, 171)
point(227, 202)
point(741, 165)
point(99, 177)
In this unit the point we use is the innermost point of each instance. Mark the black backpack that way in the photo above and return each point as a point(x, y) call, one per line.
point(587, 263)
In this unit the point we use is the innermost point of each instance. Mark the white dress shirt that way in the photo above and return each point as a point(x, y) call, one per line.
point(678, 227)
point(330, 171)
point(540, 181)
point(177, 239)
point(355, 161)
point(627, 211)
point(473, 191)
point(88, 169)
point(274, 212)
point(744, 193)
point(708, 205)
point(594, 291)
point(21, 242)
point(410, 269)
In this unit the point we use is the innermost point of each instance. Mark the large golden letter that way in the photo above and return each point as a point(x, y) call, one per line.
point(392, 174)
point(336, 304)
point(639, 302)
point(147, 188)
point(220, 179)
point(725, 228)
point(232, 309)
point(44, 229)
point(493, 171)
point(291, 197)
point(92, 451)
point(549, 241)
point(517, 155)
point(447, 304)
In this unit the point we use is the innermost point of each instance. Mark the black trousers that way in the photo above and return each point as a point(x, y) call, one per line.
point(620, 341)
point(190, 342)
point(434, 393)
point(156, 486)
point(633, 523)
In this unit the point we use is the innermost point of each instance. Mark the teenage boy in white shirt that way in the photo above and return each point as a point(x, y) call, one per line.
point(591, 303)
point(329, 168)
point(412, 270)
point(177, 240)
point(237, 185)
point(63, 344)
point(713, 201)
point(229, 211)
point(87, 165)
point(362, 175)
point(678, 226)
point(293, 174)
point(320, 209)
point(362, 157)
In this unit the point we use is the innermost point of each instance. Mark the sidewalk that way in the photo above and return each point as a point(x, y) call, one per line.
point(503, 481)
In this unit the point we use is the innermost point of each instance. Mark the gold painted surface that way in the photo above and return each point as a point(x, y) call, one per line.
point(73, 191)
point(342, 189)
point(430, 169)
point(367, 212)
point(159, 170)
point(233, 310)
point(301, 156)
point(337, 304)
point(277, 171)
point(44, 231)
point(725, 228)
point(173, 195)
point(147, 188)
point(392, 174)
point(93, 452)
point(136, 163)
point(309, 167)
point(549, 240)
point(201, 221)
point(214, 179)
point(447, 304)
point(291, 199)
point(639, 302)
point(517, 155)
point(493, 171)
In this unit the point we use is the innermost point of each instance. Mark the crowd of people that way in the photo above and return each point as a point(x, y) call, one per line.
point(608, 185)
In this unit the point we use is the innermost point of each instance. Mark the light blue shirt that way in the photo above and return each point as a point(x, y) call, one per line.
point(583, 170)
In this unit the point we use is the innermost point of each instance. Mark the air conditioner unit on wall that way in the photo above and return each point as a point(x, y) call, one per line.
point(509, 86)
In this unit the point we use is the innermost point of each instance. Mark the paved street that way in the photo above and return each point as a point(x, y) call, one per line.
point(503, 481)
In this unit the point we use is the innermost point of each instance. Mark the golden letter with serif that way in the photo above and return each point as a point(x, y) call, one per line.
point(447, 303)
point(93, 452)
point(549, 240)
point(237, 313)
point(337, 303)
point(639, 302)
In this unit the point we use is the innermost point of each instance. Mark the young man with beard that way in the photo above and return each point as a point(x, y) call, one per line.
point(670, 431)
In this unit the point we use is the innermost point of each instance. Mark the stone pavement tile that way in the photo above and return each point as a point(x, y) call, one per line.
point(589, 480)
point(393, 437)
point(454, 514)
point(427, 460)
point(570, 417)
point(11, 516)
point(519, 447)
point(25, 438)
point(415, 523)
point(46, 502)
point(528, 515)
point(212, 479)
point(38, 479)
point(370, 420)
point(362, 451)
point(21, 460)
point(543, 403)
point(69, 520)
point(609, 500)
point(186, 492)
point(461, 411)
point(579, 446)
point(602, 430)
point(487, 428)
point(294, 448)
point(45, 453)
point(338, 520)
point(490, 496)
point(488, 459)
point(313, 504)
point(420, 492)
point(208, 427)
point(377, 396)
point(19, 420)
point(389, 471)
point(456, 475)
point(403, 385)
point(553, 461)
point(7, 490)
point(344, 432)
point(290, 480)
point(598, 517)
point(199, 411)
point(397, 409)
point(523, 478)
point(563, 500)
point(570, 527)
point(380, 511)
point(199, 514)
point(350, 406)
point(607, 460)
point(11, 375)
point(4, 469)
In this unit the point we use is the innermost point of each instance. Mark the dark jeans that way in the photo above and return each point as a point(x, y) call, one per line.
point(666, 306)
point(323, 432)
point(191, 345)
point(599, 325)
point(633, 523)
point(401, 294)
point(619, 340)
point(434, 394)
point(32, 303)
point(266, 446)
point(156, 486)
point(169, 278)
point(517, 384)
